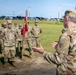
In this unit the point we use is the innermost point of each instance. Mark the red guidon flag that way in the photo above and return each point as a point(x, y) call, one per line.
point(25, 27)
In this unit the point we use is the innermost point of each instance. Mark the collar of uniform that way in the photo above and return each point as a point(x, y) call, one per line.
point(71, 30)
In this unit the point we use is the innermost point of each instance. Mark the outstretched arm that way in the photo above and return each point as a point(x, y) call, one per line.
point(54, 58)
point(38, 49)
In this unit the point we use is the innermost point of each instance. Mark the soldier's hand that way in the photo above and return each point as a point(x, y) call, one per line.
point(54, 44)
point(38, 49)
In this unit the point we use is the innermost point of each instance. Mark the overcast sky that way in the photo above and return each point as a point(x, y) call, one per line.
point(40, 8)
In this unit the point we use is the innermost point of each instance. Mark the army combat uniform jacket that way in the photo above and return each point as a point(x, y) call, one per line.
point(36, 30)
point(65, 56)
point(9, 37)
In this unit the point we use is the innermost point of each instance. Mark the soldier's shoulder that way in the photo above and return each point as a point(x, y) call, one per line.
point(29, 27)
point(38, 26)
point(33, 26)
point(64, 36)
point(5, 29)
point(13, 29)
point(1, 28)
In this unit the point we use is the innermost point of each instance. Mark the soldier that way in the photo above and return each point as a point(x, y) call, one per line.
point(4, 26)
point(9, 38)
point(65, 56)
point(16, 26)
point(2, 30)
point(19, 39)
point(28, 41)
point(36, 30)
point(1, 39)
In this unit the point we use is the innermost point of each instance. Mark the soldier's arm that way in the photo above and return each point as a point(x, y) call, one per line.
point(32, 30)
point(54, 58)
point(40, 30)
point(0, 30)
point(63, 44)
point(15, 33)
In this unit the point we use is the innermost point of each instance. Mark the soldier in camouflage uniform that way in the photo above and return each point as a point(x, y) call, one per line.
point(9, 38)
point(1, 40)
point(19, 39)
point(4, 27)
point(28, 41)
point(65, 56)
point(2, 30)
point(16, 26)
point(36, 30)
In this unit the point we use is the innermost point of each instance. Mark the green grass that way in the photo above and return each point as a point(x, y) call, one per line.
point(51, 33)
point(51, 30)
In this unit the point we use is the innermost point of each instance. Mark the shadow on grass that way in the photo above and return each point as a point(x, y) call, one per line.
point(19, 53)
point(2, 60)
point(0, 49)
point(27, 49)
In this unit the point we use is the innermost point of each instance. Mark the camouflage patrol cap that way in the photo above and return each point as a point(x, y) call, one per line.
point(20, 25)
point(36, 21)
point(5, 23)
point(15, 23)
point(9, 21)
point(71, 13)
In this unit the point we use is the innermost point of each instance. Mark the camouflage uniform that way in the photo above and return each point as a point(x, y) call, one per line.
point(1, 43)
point(28, 40)
point(19, 39)
point(9, 39)
point(65, 56)
point(16, 26)
point(2, 30)
point(36, 30)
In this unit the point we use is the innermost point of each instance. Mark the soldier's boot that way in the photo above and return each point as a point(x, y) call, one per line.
point(23, 57)
point(32, 55)
point(6, 64)
point(22, 54)
point(13, 61)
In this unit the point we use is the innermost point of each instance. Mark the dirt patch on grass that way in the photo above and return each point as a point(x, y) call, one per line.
point(37, 66)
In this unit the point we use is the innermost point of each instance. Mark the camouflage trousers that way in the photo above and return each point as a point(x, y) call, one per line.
point(1, 46)
point(9, 51)
point(37, 41)
point(19, 44)
point(30, 45)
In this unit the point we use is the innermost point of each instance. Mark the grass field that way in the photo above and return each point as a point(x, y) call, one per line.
point(51, 30)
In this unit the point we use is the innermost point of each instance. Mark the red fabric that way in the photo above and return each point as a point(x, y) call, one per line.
point(25, 28)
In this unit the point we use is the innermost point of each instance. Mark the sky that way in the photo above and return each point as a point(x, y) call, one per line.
point(36, 8)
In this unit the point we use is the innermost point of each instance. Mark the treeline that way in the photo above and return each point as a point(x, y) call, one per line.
point(30, 18)
point(21, 17)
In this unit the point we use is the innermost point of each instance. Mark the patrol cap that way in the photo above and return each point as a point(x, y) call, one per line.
point(36, 21)
point(15, 23)
point(5, 23)
point(71, 13)
point(9, 21)
point(20, 25)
